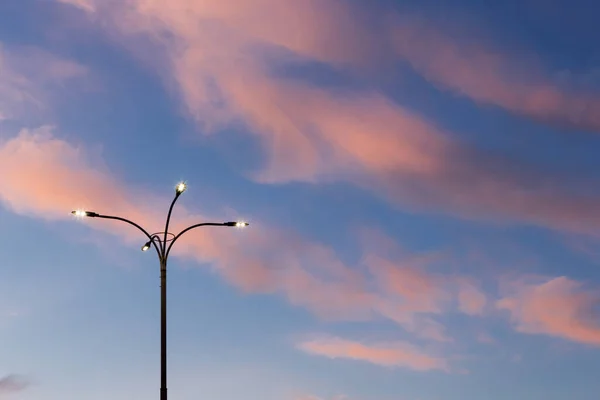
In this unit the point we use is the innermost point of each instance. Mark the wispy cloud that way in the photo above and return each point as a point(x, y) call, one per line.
point(30, 78)
point(389, 354)
point(471, 299)
point(12, 384)
point(557, 307)
point(487, 74)
point(46, 177)
point(317, 134)
point(86, 5)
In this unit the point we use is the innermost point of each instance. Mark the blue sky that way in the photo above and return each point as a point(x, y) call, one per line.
point(420, 177)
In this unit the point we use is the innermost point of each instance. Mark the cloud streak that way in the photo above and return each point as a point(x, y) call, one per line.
point(389, 355)
point(30, 77)
point(558, 307)
point(85, 5)
point(488, 75)
point(226, 61)
point(47, 177)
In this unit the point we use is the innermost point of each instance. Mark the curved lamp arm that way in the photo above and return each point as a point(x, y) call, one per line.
point(150, 237)
point(177, 194)
point(192, 227)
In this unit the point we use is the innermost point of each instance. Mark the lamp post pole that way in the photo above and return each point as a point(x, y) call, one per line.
point(163, 329)
point(163, 248)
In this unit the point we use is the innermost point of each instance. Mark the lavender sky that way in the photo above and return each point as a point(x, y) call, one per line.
point(421, 177)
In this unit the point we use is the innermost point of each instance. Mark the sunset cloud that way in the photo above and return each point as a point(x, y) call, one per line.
point(48, 177)
point(421, 184)
point(389, 355)
point(412, 293)
point(558, 307)
point(317, 134)
point(312, 134)
point(268, 260)
point(476, 69)
point(471, 299)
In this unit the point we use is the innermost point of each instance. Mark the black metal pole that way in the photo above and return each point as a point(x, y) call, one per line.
point(163, 329)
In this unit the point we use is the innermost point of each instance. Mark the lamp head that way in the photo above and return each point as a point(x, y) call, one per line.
point(146, 247)
point(238, 224)
point(81, 213)
point(180, 188)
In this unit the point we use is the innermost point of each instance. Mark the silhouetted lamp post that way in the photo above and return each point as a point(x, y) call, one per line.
point(163, 248)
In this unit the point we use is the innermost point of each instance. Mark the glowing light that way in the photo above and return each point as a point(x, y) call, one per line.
point(146, 246)
point(181, 187)
point(81, 213)
point(239, 224)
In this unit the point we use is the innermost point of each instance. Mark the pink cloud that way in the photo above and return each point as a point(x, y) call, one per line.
point(46, 177)
point(420, 290)
point(389, 355)
point(218, 56)
point(314, 29)
point(220, 59)
point(557, 307)
point(490, 75)
point(311, 276)
point(413, 292)
point(314, 135)
point(471, 299)
point(333, 32)
point(411, 296)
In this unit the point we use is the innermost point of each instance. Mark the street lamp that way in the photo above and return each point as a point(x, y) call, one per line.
point(163, 248)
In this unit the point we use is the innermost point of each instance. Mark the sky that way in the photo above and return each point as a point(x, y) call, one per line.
point(420, 177)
